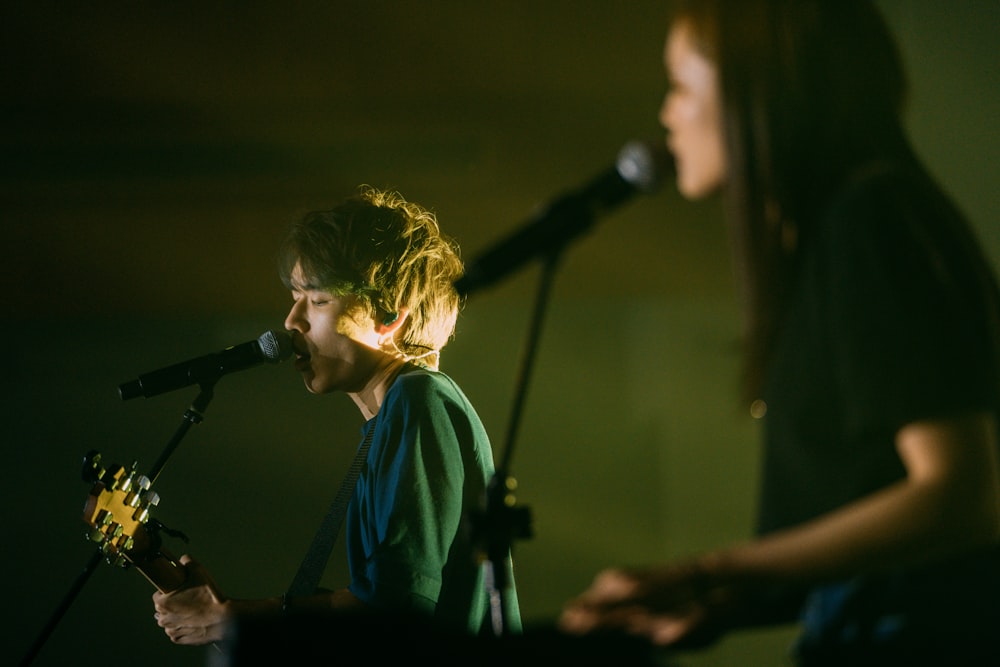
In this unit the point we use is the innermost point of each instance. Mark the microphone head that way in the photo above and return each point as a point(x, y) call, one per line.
point(275, 345)
point(645, 164)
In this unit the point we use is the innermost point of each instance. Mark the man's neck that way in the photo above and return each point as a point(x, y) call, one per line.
point(369, 398)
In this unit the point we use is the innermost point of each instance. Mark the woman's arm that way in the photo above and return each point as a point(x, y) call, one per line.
point(949, 502)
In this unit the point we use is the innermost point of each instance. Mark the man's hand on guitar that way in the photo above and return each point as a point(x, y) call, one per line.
point(195, 614)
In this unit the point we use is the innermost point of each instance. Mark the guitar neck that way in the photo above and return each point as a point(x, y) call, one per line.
point(158, 566)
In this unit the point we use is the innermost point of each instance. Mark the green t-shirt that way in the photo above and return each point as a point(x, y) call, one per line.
point(408, 540)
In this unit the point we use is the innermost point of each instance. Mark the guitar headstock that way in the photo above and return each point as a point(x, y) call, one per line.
point(118, 513)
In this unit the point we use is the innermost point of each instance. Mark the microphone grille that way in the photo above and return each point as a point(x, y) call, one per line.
point(275, 345)
point(644, 164)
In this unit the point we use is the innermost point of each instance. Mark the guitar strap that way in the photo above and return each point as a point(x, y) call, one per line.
point(311, 570)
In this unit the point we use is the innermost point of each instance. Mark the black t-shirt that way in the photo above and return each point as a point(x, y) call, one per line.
point(889, 322)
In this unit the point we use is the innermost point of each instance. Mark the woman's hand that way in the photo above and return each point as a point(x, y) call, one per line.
point(672, 605)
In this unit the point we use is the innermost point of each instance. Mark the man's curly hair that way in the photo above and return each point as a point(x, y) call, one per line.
point(388, 252)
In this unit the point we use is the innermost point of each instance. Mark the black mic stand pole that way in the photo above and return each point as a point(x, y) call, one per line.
point(193, 415)
point(502, 521)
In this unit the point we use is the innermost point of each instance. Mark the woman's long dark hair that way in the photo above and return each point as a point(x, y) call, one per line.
point(811, 90)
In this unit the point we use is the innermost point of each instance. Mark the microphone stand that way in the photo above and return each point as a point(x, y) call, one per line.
point(193, 415)
point(639, 167)
point(502, 521)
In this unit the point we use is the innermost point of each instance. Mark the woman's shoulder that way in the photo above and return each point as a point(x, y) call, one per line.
point(887, 204)
point(890, 190)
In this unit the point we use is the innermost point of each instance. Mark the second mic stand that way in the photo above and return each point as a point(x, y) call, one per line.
point(496, 528)
point(193, 415)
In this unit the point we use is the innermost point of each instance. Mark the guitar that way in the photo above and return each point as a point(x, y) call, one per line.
point(118, 513)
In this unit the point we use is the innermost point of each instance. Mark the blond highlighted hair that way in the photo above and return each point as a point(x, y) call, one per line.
point(388, 252)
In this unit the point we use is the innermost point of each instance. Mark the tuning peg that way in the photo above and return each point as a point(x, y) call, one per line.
point(92, 470)
point(108, 548)
point(112, 477)
point(127, 482)
point(132, 498)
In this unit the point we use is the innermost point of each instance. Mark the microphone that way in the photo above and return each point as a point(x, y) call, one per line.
point(640, 167)
point(271, 347)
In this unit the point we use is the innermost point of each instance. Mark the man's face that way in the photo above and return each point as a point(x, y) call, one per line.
point(335, 339)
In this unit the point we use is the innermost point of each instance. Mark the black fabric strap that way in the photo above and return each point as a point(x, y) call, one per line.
point(311, 570)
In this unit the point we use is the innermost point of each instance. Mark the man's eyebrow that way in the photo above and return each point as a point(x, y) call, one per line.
point(302, 286)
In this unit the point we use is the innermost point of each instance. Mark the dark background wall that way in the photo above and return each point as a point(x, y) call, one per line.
point(153, 155)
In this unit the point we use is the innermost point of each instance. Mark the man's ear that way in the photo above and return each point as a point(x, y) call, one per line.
point(392, 321)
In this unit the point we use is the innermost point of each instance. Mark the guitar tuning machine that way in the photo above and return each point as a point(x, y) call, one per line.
point(136, 488)
point(92, 470)
point(149, 499)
